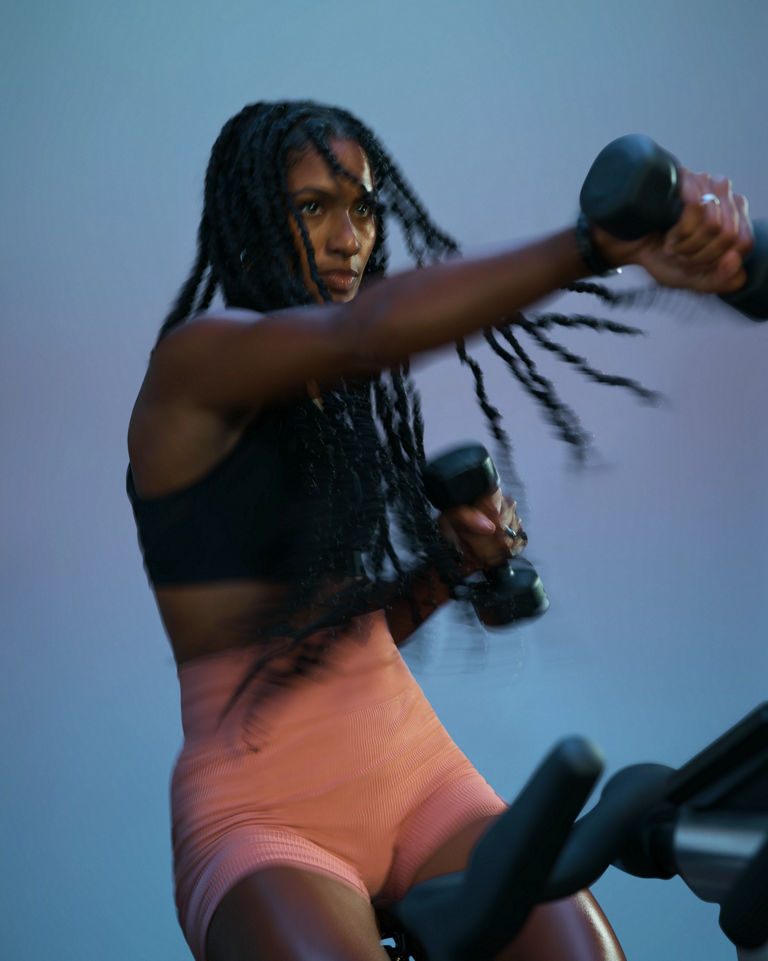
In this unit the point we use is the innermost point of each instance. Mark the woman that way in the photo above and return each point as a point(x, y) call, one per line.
point(275, 473)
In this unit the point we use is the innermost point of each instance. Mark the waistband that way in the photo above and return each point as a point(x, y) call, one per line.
point(363, 667)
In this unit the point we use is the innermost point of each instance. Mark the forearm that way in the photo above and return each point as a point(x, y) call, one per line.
point(406, 611)
point(244, 361)
point(422, 310)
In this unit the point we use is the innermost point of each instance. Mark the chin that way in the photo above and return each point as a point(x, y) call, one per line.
point(343, 297)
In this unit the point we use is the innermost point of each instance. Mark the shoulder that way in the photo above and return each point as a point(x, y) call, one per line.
point(233, 327)
point(196, 349)
point(236, 360)
point(202, 330)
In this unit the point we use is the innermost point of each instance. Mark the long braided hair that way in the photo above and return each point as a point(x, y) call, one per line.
point(363, 453)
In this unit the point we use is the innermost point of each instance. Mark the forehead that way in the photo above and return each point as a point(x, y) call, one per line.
point(309, 168)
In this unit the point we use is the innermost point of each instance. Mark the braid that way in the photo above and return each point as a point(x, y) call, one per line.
point(639, 297)
point(535, 330)
point(182, 308)
point(542, 389)
point(206, 293)
point(545, 321)
point(492, 414)
point(366, 447)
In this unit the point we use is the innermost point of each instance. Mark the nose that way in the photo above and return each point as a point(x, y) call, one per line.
point(343, 237)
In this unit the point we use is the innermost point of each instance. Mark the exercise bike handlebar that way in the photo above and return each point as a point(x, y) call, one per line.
point(651, 821)
point(470, 915)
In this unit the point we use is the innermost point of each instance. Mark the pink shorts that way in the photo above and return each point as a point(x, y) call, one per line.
point(349, 774)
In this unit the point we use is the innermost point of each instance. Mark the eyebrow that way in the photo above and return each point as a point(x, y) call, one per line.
point(329, 194)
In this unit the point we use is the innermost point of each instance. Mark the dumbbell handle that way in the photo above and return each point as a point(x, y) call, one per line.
point(632, 189)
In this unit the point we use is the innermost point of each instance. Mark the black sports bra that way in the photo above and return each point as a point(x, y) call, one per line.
point(244, 519)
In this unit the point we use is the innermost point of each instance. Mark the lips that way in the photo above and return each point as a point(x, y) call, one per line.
point(339, 280)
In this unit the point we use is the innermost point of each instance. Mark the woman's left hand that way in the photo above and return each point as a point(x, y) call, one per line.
point(481, 531)
point(704, 251)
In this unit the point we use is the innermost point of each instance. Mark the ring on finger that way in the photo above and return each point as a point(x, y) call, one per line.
point(709, 199)
point(518, 535)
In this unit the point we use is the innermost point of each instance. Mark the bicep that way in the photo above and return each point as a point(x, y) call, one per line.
point(244, 361)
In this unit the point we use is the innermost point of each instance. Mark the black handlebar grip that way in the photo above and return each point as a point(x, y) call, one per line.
point(598, 839)
point(632, 189)
point(744, 912)
point(472, 915)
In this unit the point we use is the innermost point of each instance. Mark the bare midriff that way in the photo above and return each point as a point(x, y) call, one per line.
point(204, 619)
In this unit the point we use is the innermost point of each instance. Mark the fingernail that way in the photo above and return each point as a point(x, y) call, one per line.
point(486, 524)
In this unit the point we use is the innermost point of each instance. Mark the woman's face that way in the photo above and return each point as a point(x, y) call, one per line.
point(338, 215)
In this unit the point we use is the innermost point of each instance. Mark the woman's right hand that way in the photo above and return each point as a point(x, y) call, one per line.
point(481, 531)
point(704, 251)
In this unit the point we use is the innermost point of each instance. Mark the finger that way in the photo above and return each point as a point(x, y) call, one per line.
point(715, 236)
point(515, 534)
point(516, 539)
point(729, 275)
point(708, 210)
point(483, 551)
point(510, 536)
point(725, 276)
point(717, 224)
point(510, 526)
point(470, 520)
point(509, 518)
point(699, 227)
point(746, 235)
point(692, 187)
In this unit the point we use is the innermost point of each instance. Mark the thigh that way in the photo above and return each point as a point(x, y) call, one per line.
point(574, 929)
point(291, 914)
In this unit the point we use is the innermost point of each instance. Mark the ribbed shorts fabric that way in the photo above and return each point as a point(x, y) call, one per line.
point(348, 773)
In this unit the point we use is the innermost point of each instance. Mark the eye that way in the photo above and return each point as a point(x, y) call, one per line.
point(367, 207)
point(310, 208)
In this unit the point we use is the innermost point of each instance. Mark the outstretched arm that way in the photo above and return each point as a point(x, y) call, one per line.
point(241, 361)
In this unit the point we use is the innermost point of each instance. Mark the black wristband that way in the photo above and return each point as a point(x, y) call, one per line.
point(592, 258)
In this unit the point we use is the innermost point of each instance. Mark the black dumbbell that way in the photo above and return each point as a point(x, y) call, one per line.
point(632, 190)
point(511, 591)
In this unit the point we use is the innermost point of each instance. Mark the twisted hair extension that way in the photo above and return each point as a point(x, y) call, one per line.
point(206, 294)
point(541, 388)
point(636, 297)
point(366, 446)
point(548, 320)
point(535, 329)
point(504, 453)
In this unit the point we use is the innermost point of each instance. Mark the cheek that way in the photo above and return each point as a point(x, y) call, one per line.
point(368, 240)
point(300, 247)
point(311, 230)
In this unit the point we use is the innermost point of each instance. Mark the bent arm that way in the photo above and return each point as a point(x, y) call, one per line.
point(428, 594)
point(478, 532)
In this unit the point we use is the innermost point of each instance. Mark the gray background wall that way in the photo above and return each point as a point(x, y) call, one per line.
point(654, 557)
